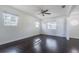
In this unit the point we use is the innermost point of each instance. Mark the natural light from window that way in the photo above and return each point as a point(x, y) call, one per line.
point(10, 19)
point(51, 25)
point(37, 24)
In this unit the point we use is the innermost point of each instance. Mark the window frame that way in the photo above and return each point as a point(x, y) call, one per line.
point(10, 22)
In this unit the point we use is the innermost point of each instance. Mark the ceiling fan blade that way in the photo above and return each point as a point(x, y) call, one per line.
point(47, 13)
point(44, 11)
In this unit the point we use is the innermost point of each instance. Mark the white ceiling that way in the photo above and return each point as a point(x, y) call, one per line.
point(55, 10)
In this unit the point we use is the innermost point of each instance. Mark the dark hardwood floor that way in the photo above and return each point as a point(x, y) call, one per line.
point(73, 45)
point(41, 44)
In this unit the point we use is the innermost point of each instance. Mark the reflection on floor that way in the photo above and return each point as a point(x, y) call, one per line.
point(43, 44)
point(73, 46)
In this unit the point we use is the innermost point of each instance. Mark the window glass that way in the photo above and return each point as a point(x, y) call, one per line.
point(37, 24)
point(10, 19)
point(51, 25)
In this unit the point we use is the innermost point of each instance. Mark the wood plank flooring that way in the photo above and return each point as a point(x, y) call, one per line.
point(41, 44)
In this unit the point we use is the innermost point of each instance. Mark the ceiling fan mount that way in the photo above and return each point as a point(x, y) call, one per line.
point(63, 6)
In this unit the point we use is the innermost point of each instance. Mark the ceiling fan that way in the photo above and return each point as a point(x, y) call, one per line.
point(44, 12)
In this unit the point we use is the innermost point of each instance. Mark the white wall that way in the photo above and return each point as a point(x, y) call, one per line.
point(60, 28)
point(25, 28)
point(74, 29)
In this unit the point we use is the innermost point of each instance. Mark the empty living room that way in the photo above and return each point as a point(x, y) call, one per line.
point(39, 28)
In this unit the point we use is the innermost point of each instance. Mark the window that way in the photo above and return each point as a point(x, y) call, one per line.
point(10, 19)
point(51, 25)
point(37, 24)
